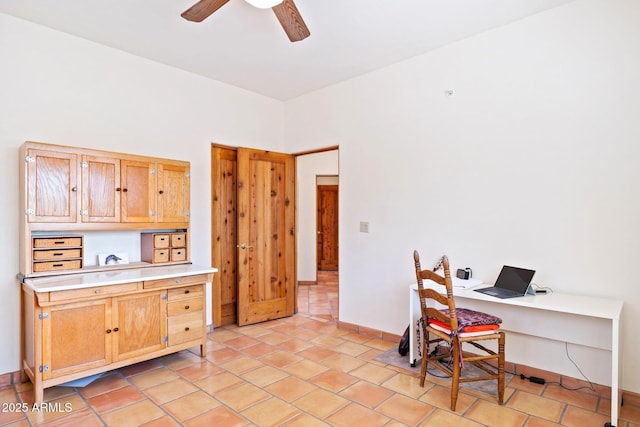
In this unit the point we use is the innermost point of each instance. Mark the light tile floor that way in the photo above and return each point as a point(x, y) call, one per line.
point(298, 371)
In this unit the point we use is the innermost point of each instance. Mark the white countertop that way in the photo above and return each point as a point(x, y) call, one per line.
point(115, 277)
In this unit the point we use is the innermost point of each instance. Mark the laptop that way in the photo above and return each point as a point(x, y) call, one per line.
point(512, 282)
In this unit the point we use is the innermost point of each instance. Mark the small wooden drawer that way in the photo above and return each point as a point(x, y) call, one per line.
point(178, 254)
point(57, 265)
point(161, 240)
point(178, 240)
point(190, 305)
point(176, 281)
point(186, 292)
point(160, 255)
point(188, 327)
point(53, 254)
point(96, 291)
point(57, 242)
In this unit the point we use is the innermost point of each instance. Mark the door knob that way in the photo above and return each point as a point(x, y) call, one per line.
point(244, 246)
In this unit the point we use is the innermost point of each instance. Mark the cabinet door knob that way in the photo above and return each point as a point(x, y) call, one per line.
point(108, 331)
point(186, 329)
point(124, 190)
point(186, 307)
point(118, 189)
point(160, 192)
point(115, 329)
point(74, 189)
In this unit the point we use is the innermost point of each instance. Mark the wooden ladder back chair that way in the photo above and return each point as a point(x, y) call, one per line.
point(444, 327)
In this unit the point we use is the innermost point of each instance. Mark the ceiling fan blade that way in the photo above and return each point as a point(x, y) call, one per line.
point(291, 21)
point(201, 10)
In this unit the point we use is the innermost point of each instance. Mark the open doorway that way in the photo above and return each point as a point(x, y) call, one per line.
point(318, 288)
point(313, 169)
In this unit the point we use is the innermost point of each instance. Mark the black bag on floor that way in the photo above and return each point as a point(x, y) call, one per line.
point(403, 347)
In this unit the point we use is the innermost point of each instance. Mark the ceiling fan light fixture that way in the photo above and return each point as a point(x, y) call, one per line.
point(264, 4)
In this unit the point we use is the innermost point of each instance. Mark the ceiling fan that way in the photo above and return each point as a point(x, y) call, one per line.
point(285, 10)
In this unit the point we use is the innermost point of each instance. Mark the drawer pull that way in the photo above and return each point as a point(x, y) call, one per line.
point(58, 265)
point(58, 254)
point(186, 291)
point(179, 253)
point(186, 329)
point(178, 280)
point(186, 307)
point(97, 291)
point(59, 242)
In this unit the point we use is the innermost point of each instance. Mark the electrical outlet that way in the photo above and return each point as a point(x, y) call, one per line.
point(364, 227)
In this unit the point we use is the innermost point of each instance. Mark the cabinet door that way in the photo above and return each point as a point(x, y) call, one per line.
point(139, 324)
point(173, 193)
point(138, 191)
point(76, 337)
point(51, 186)
point(100, 189)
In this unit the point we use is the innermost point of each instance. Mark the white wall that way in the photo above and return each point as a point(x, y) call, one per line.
point(308, 167)
point(61, 89)
point(533, 162)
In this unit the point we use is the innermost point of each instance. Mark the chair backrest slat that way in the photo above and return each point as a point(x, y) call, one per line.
point(427, 294)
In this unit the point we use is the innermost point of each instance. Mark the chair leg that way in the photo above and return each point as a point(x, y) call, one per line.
point(455, 377)
point(501, 343)
point(425, 359)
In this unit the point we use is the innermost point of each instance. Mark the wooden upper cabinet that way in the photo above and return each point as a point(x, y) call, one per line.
point(172, 193)
point(52, 188)
point(87, 189)
point(138, 191)
point(100, 189)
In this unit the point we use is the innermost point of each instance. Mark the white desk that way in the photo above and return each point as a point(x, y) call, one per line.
point(587, 321)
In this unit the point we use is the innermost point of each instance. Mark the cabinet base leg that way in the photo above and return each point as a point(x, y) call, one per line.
point(608, 425)
point(413, 364)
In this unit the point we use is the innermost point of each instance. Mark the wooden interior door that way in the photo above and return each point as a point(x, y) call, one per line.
point(224, 242)
point(327, 227)
point(266, 235)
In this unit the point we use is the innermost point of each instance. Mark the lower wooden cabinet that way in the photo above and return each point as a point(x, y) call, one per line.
point(74, 333)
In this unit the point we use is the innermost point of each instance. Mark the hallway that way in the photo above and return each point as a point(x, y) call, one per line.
point(320, 300)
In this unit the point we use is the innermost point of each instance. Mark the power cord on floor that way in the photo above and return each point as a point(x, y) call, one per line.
point(538, 380)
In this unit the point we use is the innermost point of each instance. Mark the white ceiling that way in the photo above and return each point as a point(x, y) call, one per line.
point(246, 47)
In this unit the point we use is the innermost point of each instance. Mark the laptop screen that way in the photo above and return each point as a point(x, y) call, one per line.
point(514, 278)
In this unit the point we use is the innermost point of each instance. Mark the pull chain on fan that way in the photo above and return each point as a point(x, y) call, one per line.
point(286, 12)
